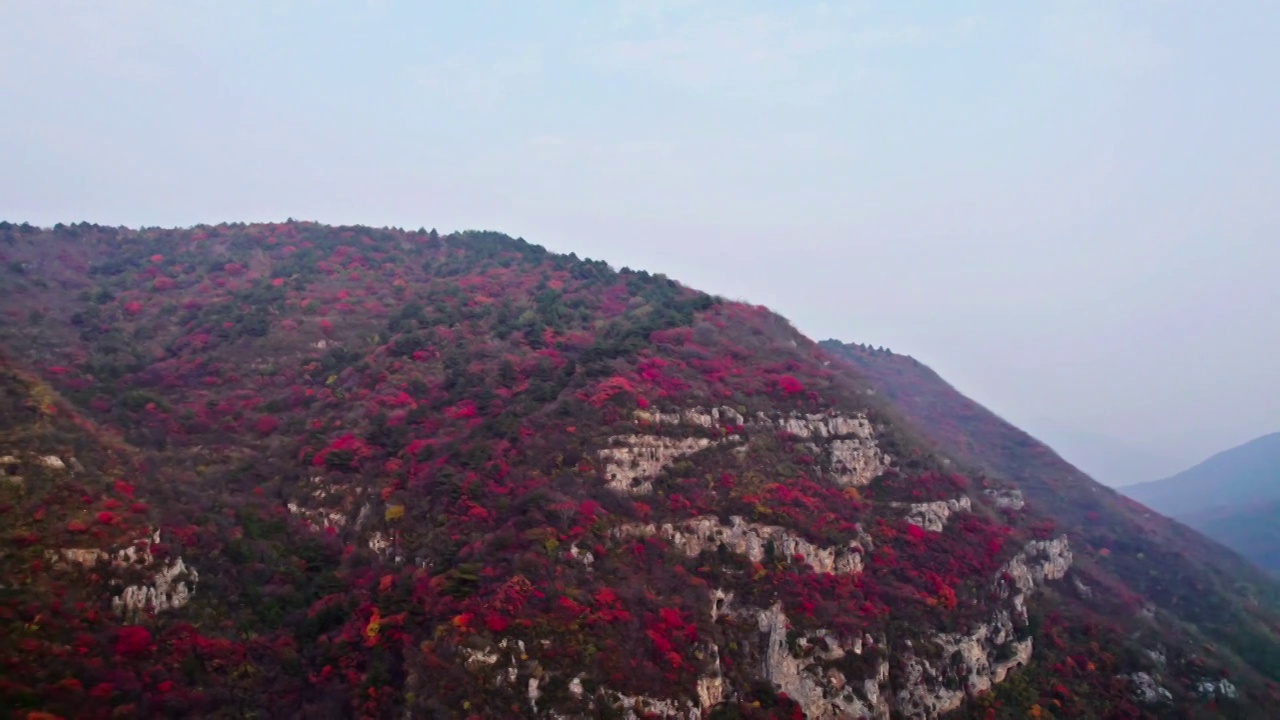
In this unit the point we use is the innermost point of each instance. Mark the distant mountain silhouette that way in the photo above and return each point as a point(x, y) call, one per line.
point(1233, 497)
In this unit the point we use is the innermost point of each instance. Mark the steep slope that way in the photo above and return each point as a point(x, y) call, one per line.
point(85, 567)
point(1233, 497)
point(1183, 580)
point(459, 476)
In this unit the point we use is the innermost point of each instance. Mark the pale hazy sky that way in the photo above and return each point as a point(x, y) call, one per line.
point(1069, 209)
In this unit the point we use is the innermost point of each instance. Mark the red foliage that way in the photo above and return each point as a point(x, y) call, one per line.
point(474, 399)
point(789, 385)
point(133, 641)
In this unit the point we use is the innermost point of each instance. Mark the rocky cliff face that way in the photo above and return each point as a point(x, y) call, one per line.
point(169, 585)
point(847, 443)
point(933, 515)
point(947, 669)
point(630, 467)
point(970, 663)
point(752, 540)
point(925, 677)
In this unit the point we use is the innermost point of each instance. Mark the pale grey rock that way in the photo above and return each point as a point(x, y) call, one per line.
point(84, 557)
point(362, 517)
point(923, 693)
point(479, 658)
point(1040, 560)
point(978, 670)
point(635, 707)
point(700, 417)
point(1084, 590)
point(9, 470)
point(534, 693)
point(711, 687)
point(820, 426)
point(53, 462)
point(706, 532)
point(857, 461)
point(320, 518)
point(928, 691)
point(973, 662)
point(379, 543)
point(1210, 689)
point(168, 590)
point(847, 444)
point(631, 467)
point(932, 516)
point(823, 693)
point(720, 600)
point(582, 556)
point(1010, 498)
point(1147, 691)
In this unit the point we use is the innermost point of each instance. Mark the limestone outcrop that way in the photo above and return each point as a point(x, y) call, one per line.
point(753, 540)
point(932, 516)
point(634, 461)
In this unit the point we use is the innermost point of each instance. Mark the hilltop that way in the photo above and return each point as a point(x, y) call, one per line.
point(310, 471)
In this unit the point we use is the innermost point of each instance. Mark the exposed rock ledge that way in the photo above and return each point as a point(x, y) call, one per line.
point(171, 586)
point(933, 516)
point(630, 468)
point(1040, 560)
point(822, 694)
point(168, 590)
point(714, 417)
point(857, 461)
point(802, 425)
point(1010, 498)
point(820, 425)
point(851, 451)
point(706, 532)
point(971, 662)
point(521, 670)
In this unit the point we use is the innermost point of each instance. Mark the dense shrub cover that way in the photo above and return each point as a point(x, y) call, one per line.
point(380, 448)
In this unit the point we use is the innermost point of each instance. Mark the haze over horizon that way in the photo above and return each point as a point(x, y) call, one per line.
point(1068, 209)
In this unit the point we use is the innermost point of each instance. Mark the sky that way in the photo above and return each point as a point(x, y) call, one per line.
point(1069, 209)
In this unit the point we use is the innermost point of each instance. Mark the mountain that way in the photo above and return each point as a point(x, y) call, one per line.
point(1105, 459)
point(292, 470)
point(1245, 475)
point(1233, 497)
point(1180, 577)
